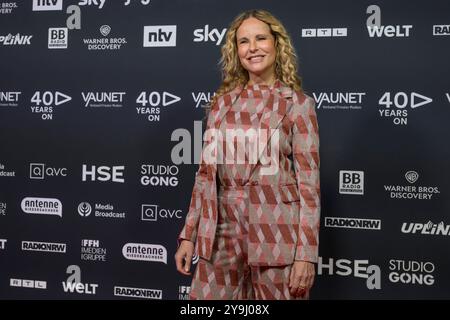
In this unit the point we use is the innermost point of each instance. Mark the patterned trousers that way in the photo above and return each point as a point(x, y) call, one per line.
point(227, 276)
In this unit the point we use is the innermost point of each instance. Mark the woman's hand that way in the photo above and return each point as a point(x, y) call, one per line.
point(301, 278)
point(183, 257)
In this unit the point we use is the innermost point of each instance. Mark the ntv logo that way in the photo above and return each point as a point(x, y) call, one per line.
point(375, 29)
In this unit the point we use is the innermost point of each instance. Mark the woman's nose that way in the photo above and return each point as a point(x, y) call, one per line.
point(253, 46)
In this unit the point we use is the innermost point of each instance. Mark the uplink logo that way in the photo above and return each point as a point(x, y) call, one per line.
point(375, 29)
point(411, 191)
point(145, 252)
point(73, 283)
point(441, 30)
point(150, 212)
point(137, 292)
point(324, 32)
point(411, 272)
point(25, 283)
point(356, 268)
point(57, 38)
point(9, 98)
point(205, 35)
point(3, 244)
point(45, 206)
point(160, 36)
point(44, 246)
point(47, 5)
point(429, 228)
point(401, 103)
point(351, 182)
point(84, 209)
point(17, 39)
point(353, 223)
point(40, 171)
point(159, 175)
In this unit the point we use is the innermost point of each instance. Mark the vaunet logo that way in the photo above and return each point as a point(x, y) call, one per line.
point(145, 252)
point(45, 206)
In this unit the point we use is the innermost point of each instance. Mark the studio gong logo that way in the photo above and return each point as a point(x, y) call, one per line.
point(411, 272)
point(84, 209)
point(159, 175)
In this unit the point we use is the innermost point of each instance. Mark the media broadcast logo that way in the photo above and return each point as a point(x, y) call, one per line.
point(27, 283)
point(411, 192)
point(159, 175)
point(44, 206)
point(353, 223)
point(143, 293)
point(73, 284)
point(9, 98)
point(351, 182)
point(53, 247)
point(339, 100)
point(151, 212)
point(160, 36)
point(376, 29)
point(149, 104)
point(356, 268)
point(100, 210)
point(411, 272)
point(5, 173)
point(145, 252)
point(324, 32)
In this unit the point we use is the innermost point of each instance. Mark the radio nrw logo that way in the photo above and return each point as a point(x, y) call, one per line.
point(411, 191)
point(353, 223)
point(145, 252)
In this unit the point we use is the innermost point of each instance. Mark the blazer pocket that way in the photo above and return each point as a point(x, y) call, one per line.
point(289, 193)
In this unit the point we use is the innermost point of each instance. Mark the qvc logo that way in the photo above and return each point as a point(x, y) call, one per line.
point(40, 171)
point(103, 173)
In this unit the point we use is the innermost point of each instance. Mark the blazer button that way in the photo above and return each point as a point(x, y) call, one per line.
point(254, 183)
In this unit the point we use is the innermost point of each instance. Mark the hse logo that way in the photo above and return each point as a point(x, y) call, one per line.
point(150, 212)
point(324, 32)
point(356, 268)
point(145, 252)
point(45, 206)
point(25, 283)
point(205, 35)
point(9, 98)
point(137, 293)
point(160, 36)
point(375, 29)
point(353, 223)
point(57, 38)
point(44, 246)
point(103, 173)
point(47, 5)
point(441, 30)
point(73, 283)
point(411, 272)
point(351, 182)
point(396, 105)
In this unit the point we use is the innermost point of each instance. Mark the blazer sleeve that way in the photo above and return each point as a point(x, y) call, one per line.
point(305, 144)
point(189, 231)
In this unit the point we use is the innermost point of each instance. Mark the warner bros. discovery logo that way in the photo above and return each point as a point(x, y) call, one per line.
point(73, 283)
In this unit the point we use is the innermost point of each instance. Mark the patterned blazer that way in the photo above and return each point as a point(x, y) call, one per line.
point(284, 212)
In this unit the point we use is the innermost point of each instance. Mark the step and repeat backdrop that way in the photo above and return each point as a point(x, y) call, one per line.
point(101, 131)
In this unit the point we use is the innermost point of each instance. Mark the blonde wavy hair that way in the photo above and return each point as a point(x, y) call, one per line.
point(234, 75)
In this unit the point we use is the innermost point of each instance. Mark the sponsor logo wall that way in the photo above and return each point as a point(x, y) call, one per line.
point(101, 123)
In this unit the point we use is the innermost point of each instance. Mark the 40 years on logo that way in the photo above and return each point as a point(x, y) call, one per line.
point(84, 209)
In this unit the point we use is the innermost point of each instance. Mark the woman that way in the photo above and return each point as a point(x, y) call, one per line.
point(254, 226)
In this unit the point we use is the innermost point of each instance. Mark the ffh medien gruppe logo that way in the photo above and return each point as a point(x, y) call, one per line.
point(145, 252)
point(46, 206)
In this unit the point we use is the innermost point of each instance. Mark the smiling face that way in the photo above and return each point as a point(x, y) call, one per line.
point(256, 50)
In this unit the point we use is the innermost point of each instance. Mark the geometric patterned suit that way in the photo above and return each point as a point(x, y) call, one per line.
point(278, 212)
